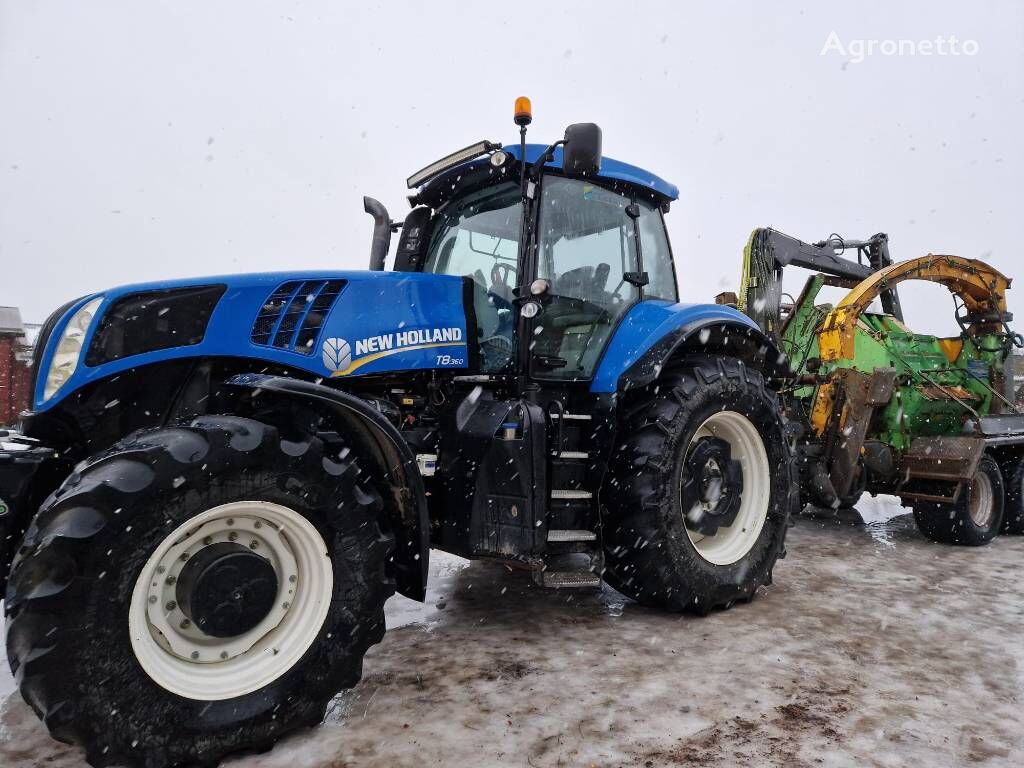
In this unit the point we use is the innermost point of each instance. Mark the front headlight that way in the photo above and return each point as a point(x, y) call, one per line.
point(69, 348)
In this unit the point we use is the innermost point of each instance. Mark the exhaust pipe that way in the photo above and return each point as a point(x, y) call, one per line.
point(381, 232)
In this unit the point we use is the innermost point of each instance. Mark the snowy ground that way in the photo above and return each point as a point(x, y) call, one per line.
point(874, 648)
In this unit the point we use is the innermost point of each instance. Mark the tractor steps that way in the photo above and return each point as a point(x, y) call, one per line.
point(569, 579)
point(573, 555)
point(571, 536)
point(569, 494)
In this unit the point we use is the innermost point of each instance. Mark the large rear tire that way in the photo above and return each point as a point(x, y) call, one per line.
point(122, 632)
point(977, 515)
point(701, 492)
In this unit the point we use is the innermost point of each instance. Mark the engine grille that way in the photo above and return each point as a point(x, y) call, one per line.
point(292, 316)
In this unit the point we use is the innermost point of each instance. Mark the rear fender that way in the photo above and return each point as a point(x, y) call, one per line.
point(654, 333)
point(379, 441)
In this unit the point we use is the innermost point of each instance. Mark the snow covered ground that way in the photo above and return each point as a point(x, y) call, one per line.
point(873, 648)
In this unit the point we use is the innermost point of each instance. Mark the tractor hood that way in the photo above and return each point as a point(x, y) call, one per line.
point(330, 324)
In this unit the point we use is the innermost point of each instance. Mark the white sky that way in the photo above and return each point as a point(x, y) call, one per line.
point(144, 140)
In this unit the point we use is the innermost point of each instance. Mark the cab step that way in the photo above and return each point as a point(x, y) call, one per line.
point(568, 494)
point(572, 455)
point(571, 535)
point(569, 579)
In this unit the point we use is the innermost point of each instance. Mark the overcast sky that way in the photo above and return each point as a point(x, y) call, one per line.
point(145, 140)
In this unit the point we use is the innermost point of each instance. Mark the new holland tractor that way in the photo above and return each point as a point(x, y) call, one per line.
point(884, 409)
point(223, 479)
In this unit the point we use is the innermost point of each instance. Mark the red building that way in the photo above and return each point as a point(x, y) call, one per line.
point(15, 366)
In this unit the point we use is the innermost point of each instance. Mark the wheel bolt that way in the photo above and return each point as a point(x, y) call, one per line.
point(285, 605)
point(171, 580)
point(184, 557)
point(232, 536)
point(257, 524)
point(223, 654)
point(293, 578)
point(185, 624)
point(253, 544)
point(160, 569)
point(171, 605)
point(152, 598)
point(195, 655)
point(231, 521)
point(208, 540)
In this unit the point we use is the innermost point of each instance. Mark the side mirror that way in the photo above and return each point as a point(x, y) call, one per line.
point(581, 155)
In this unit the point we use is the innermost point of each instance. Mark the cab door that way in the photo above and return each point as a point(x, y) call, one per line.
point(589, 240)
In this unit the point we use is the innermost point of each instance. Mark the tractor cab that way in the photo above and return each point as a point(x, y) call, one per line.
point(559, 243)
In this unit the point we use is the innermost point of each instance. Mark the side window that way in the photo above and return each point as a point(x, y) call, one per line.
point(478, 237)
point(586, 243)
point(656, 255)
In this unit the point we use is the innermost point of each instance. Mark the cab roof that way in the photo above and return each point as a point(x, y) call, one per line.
point(611, 169)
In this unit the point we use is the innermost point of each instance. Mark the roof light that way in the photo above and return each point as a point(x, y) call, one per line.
point(450, 161)
point(523, 111)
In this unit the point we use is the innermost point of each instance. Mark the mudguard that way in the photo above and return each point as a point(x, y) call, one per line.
point(330, 324)
point(379, 441)
point(654, 331)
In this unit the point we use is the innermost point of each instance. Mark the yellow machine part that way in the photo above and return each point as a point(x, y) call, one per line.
point(982, 288)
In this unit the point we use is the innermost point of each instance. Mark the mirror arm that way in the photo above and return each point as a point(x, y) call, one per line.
point(545, 156)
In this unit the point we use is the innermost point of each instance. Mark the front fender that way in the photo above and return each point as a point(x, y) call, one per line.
point(653, 332)
point(379, 440)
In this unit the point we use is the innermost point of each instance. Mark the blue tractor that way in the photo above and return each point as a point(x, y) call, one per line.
point(222, 480)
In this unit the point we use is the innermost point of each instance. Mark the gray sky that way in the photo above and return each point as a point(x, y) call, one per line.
point(144, 140)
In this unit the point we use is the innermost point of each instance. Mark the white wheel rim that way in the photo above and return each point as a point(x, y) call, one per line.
point(982, 498)
point(732, 543)
point(191, 664)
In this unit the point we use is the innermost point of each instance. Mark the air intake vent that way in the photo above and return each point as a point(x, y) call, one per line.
point(292, 316)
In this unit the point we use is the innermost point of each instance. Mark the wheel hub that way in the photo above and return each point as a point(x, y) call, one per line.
point(712, 487)
point(226, 589)
point(230, 600)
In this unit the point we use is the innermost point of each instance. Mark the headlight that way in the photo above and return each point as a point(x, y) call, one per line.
point(69, 348)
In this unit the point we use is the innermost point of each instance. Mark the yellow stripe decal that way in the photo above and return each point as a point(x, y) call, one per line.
point(377, 355)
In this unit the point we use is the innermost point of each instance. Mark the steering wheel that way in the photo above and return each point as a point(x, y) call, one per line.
point(500, 273)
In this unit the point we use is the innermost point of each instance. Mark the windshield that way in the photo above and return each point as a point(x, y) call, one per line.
point(478, 237)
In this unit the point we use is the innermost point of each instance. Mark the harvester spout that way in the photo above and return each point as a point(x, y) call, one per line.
point(381, 232)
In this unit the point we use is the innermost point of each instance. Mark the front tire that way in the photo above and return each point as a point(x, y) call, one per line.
point(976, 516)
point(115, 657)
point(701, 493)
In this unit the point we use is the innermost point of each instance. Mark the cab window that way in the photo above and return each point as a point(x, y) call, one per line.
point(586, 245)
point(656, 254)
point(477, 236)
